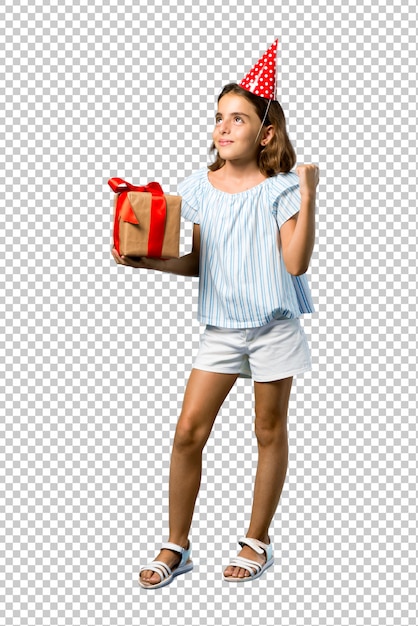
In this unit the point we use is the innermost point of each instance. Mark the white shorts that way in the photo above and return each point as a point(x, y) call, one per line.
point(266, 353)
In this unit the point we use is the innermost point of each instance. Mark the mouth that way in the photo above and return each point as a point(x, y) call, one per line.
point(225, 142)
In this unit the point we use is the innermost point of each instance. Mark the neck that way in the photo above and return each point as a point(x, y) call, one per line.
point(241, 171)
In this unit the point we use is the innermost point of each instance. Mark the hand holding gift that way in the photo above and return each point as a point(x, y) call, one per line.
point(137, 262)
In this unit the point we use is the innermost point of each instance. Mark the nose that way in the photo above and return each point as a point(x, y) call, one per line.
point(224, 127)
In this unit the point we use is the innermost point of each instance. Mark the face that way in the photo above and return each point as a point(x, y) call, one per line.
point(236, 128)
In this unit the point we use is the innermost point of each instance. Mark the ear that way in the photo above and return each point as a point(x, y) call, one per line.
point(267, 135)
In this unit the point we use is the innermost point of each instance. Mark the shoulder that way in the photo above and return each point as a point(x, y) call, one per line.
point(285, 197)
point(193, 183)
point(282, 183)
point(192, 195)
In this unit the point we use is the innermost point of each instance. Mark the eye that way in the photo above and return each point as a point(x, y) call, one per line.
point(218, 120)
point(238, 119)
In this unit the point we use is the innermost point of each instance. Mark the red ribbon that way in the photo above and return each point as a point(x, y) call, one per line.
point(124, 211)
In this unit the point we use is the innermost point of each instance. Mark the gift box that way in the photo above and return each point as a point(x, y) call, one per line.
point(146, 221)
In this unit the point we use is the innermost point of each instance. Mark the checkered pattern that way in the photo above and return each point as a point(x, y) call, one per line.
point(95, 356)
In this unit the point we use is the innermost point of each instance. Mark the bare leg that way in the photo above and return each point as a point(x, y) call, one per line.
point(271, 406)
point(203, 398)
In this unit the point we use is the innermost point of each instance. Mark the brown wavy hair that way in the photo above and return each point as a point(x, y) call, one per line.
point(278, 155)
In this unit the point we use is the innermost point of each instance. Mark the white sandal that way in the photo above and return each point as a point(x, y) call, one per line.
point(255, 569)
point(166, 574)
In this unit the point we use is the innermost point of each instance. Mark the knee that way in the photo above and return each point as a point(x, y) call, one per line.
point(189, 435)
point(271, 428)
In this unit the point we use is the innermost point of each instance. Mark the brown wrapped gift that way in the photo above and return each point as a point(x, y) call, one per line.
point(146, 221)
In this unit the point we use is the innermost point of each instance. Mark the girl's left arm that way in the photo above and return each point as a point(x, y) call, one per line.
point(298, 233)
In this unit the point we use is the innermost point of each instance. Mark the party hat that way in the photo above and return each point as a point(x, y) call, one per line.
point(261, 80)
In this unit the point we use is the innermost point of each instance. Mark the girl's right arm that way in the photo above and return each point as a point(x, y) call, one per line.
point(187, 265)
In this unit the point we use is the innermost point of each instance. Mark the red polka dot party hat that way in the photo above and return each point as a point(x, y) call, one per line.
point(261, 80)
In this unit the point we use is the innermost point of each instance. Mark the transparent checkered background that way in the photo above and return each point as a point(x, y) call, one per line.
point(95, 356)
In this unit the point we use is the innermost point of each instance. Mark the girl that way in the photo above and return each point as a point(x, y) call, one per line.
point(253, 236)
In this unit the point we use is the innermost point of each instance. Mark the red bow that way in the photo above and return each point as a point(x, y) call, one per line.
point(125, 211)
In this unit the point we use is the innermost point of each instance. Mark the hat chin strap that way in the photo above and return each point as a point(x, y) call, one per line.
point(262, 123)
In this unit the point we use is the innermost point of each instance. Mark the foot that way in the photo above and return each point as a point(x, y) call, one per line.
point(169, 557)
point(246, 553)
